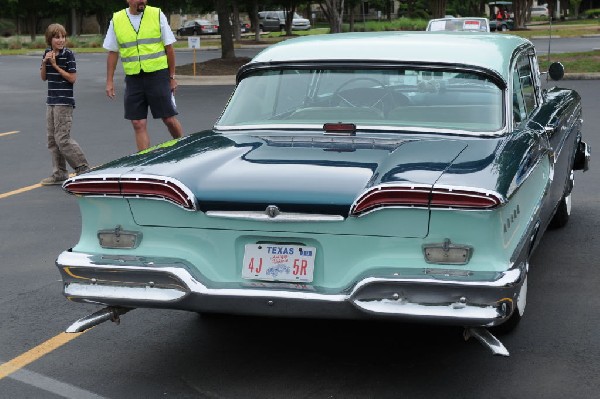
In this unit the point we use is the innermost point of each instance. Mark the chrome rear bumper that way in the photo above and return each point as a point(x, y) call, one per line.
point(469, 299)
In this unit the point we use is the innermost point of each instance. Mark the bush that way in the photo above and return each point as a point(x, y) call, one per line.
point(38, 44)
point(14, 44)
point(385, 25)
point(593, 13)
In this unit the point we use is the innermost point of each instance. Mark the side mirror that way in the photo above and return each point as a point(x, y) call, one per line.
point(556, 71)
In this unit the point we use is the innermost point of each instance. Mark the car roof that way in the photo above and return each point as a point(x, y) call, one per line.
point(484, 50)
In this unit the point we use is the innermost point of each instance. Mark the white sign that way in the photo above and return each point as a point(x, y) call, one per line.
point(193, 42)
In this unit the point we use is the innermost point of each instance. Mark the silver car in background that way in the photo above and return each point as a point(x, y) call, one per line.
point(275, 21)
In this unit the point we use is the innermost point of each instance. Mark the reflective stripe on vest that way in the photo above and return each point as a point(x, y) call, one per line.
point(142, 50)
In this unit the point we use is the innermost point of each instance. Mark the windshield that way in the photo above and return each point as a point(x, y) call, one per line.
point(396, 98)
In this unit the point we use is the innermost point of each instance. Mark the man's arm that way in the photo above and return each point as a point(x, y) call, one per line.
point(111, 64)
point(171, 62)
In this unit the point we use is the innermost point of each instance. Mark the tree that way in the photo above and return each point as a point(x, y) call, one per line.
point(437, 8)
point(223, 11)
point(334, 13)
point(474, 8)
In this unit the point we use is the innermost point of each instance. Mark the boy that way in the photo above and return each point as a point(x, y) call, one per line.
point(59, 69)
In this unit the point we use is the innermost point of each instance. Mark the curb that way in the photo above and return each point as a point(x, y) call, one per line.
point(223, 80)
point(582, 76)
point(229, 80)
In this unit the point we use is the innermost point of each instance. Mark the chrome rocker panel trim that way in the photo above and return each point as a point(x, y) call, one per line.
point(434, 296)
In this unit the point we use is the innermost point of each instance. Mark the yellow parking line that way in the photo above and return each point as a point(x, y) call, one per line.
point(7, 133)
point(33, 354)
point(20, 190)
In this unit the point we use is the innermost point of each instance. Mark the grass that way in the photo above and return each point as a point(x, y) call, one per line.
point(574, 62)
point(574, 28)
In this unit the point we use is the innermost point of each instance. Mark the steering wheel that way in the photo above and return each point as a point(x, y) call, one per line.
point(379, 100)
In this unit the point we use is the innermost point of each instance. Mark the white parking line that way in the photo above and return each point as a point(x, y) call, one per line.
point(51, 385)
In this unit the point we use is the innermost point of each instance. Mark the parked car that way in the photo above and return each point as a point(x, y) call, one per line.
point(459, 24)
point(505, 9)
point(275, 21)
point(197, 27)
point(502, 25)
point(539, 11)
point(358, 175)
point(244, 27)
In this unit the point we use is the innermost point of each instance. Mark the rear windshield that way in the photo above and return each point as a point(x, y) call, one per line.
point(454, 100)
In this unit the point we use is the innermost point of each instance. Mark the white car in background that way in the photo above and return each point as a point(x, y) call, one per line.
point(539, 11)
point(459, 24)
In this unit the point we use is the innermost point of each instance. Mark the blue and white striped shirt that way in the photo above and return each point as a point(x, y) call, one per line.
point(60, 91)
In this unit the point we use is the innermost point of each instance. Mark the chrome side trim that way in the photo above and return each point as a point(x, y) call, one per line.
point(281, 217)
point(359, 127)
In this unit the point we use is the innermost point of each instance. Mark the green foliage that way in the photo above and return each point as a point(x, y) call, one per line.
point(465, 8)
point(410, 24)
point(414, 9)
point(593, 13)
point(7, 28)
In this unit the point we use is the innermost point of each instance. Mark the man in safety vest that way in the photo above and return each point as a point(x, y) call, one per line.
point(141, 35)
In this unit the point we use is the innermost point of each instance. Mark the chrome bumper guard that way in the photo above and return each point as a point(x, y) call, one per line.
point(469, 299)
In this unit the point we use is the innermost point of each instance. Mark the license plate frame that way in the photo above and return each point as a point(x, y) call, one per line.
point(279, 262)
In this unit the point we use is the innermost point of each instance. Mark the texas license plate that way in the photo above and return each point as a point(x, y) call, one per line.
point(279, 262)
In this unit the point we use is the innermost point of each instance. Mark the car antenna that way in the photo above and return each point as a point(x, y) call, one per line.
point(550, 39)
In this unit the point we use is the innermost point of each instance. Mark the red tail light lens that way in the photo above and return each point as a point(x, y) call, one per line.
point(463, 199)
point(134, 187)
point(412, 196)
point(107, 186)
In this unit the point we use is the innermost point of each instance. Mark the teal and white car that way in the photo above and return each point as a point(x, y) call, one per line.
point(405, 176)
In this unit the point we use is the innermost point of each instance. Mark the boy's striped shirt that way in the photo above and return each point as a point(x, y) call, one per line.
point(60, 91)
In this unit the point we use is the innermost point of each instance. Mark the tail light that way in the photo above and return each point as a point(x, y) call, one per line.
point(163, 188)
point(424, 196)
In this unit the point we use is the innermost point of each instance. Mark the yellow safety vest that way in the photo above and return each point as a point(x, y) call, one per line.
point(142, 50)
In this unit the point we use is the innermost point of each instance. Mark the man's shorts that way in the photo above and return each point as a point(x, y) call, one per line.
point(149, 89)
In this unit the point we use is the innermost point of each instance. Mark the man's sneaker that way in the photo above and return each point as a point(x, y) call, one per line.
point(81, 169)
point(52, 180)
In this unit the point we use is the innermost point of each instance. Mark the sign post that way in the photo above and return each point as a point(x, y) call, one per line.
point(194, 43)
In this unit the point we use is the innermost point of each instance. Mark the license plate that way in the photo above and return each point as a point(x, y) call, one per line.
point(277, 262)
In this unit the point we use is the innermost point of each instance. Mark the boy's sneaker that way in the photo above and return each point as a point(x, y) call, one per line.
point(81, 169)
point(52, 180)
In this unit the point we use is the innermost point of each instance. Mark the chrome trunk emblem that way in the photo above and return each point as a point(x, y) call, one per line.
point(272, 211)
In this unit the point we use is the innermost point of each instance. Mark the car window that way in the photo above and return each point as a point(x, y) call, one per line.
point(527, 80)
point(449, 99)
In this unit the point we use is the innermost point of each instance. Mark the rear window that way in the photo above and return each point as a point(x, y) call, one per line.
point(402, 98)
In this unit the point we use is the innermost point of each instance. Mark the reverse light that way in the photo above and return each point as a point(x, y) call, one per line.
point(423, 196)
point(140, 186)
point(119, 238)
point(447, 253)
